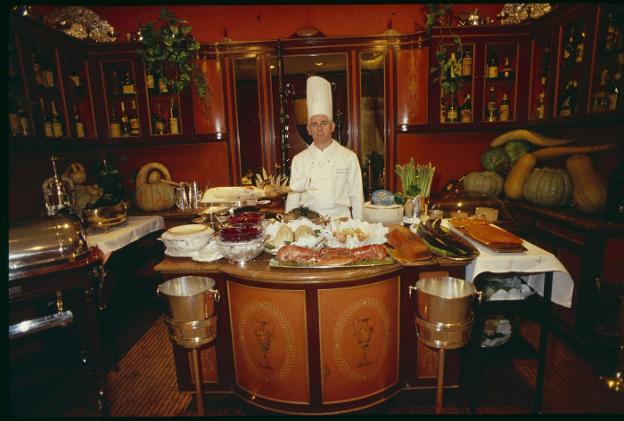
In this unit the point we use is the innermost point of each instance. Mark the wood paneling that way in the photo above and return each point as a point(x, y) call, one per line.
point(413, 86)
point(209, 112)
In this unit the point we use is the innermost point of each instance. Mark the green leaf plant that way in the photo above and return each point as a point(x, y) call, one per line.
point(442, 70)
point(170, 52)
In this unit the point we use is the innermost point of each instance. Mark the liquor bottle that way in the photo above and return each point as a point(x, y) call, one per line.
point(453, 66)
point(57, 125)
point(24, 121)
point(115, 126)
point(565, 110)
point(599, 102)
point(569, 49)
point(545, 66)
point(452, 112)
point(38, 72)
point(159, 122)
point(466, 110)
point(115, 89)
point(173, 118)
point(574, 96)
point(74, 77)
point(504, 108)
point(615, 192)
point(442, 109)
point(48, 72)
point(467, 63)
point(47, 120)
point(492, 106)
point(133, 117)
point(614, 92)
point(492, 64)
point(127, 85)
point(80, 129)
point(124, 122)
point(609, 44)
point(149, 81)
point(580, 43)
point(540, 108)
point(507, 71)
point(162, 85)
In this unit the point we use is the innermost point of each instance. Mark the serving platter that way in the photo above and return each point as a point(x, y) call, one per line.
point(460, 239)
point(275, 263)
point(500, 248)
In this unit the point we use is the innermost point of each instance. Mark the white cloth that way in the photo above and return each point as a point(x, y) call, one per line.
point(120, 236)
point(318, 97)
point(332, 180)
point(534, 262)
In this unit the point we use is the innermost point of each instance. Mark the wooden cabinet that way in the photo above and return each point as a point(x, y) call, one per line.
point(542, 77)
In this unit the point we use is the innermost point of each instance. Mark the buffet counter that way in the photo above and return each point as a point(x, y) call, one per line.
point(312, 340)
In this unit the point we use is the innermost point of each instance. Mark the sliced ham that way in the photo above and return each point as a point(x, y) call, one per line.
point(296, 254)
point(374, 251)
point(334, 256)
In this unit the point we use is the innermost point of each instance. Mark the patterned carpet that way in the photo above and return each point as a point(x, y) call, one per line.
point(145, 385)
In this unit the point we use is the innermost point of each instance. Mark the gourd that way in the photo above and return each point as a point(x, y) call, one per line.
point(589, 194)
point(548, 187)
point(152, 193)
point(514, 183)
point(487, 182)
point(495, 159)
point(529, 136)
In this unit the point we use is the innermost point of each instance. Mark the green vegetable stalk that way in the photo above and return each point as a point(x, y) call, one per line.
point(415, 179)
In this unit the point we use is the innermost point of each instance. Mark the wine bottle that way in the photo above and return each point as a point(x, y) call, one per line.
point(609, 43)
point(124, 122)
point(38, 72)
point(133, 117)
point(48, 72)
point(114, 82)
point(504, 108)
point(574, 96)
point(442, 109)
point(569, 49)
point(580, 43)
point(540, 108)
point(149, 81)
point(47, 120)
point(14, 123)
point(162, 85)
point(453, 66)
point(159, 124)
point(74, 77)
point(565, 110)
point(507, 71)
point(80, 129)
point(492, 67)
point(24, 120)
point(599, 102)
point(127, 86)
point(467, 63)
point(115, 126)
point(466, 110)
point(173, 118)
point(545, 66)
point(492, 106)
point(614, 92)
point(57, 125)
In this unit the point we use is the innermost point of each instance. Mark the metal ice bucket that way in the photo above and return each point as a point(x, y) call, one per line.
point(445, 299)
point(189, 298)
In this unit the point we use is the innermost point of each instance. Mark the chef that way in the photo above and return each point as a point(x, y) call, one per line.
point(326, 177)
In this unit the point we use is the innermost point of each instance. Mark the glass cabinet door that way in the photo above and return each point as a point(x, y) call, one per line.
point(540, 99)
point(573, 50)
point(121, 100)
point(456, 84)
point(78, 95)
point(20, 106)
point(500, 78)
point(165, 112)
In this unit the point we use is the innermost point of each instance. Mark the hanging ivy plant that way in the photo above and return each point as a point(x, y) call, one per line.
point(170, 52)
point(442, 70)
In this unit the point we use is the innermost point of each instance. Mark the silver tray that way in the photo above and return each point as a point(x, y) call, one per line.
point(274, 263)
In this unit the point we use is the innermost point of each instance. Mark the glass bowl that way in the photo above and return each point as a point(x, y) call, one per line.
point(247, 218)
point(240, 251)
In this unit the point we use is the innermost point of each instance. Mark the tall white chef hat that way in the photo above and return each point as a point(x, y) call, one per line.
point(319, 97)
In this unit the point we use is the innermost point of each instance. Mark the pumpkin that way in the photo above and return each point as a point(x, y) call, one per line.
point(548, 187)
point(514, 183)
point(495, 159)
point(589, 193)
point(152, 194)
point(487, 182)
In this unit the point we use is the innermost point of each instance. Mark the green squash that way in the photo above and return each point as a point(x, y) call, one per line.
point(548, 187)
point(496, 159)
point(487, 182)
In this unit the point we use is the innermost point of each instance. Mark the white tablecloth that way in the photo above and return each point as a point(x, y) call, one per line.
point(118, 237)
point(534, 262)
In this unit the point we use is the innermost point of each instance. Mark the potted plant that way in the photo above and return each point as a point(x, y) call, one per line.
point(170, 52)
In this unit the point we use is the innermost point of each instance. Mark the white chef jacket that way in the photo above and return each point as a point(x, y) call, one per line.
point(332, 179)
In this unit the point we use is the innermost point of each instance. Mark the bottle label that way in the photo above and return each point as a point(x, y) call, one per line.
point(80, 131)
point(49, 77)
point(115, 130)
point(162, 86)
point(173, 126)
point(467, 67)
point(135, 128)
point(504, 112)
point(492, 72)
point(57, 129)
point(565, 112)
point(160, 127)
point(76, 80)
point(150, 81)
point(466, 116)
point(25, 126)
point(47, 128)
point(128, 89)
point(452, 115)
point(540, 112)
point(613, 101)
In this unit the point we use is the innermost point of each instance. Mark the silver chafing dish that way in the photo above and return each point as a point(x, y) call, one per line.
point(46, 241)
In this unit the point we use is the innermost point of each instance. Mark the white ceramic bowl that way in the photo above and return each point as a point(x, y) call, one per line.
point(240, 251)
point(186, 240)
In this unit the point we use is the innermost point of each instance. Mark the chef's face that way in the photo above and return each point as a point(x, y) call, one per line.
point(320, 127)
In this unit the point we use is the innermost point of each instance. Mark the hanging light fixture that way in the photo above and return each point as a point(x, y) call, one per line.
point(513, 13)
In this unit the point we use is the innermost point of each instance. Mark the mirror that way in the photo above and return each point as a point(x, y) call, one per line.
point(372, 120)
point(297, 68)
point(247, 116)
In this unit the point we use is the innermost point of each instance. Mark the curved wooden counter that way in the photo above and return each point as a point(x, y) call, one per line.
point(312, 341)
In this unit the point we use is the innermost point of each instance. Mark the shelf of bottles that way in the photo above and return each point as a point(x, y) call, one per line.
point(456, 101)
point(164, 106)
point(46, 96)
point(570, 64)
point(20, 117)
point(121, 106)
point(540, 101)
point(607, 85)
point(79, 101)
point(499, 82)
